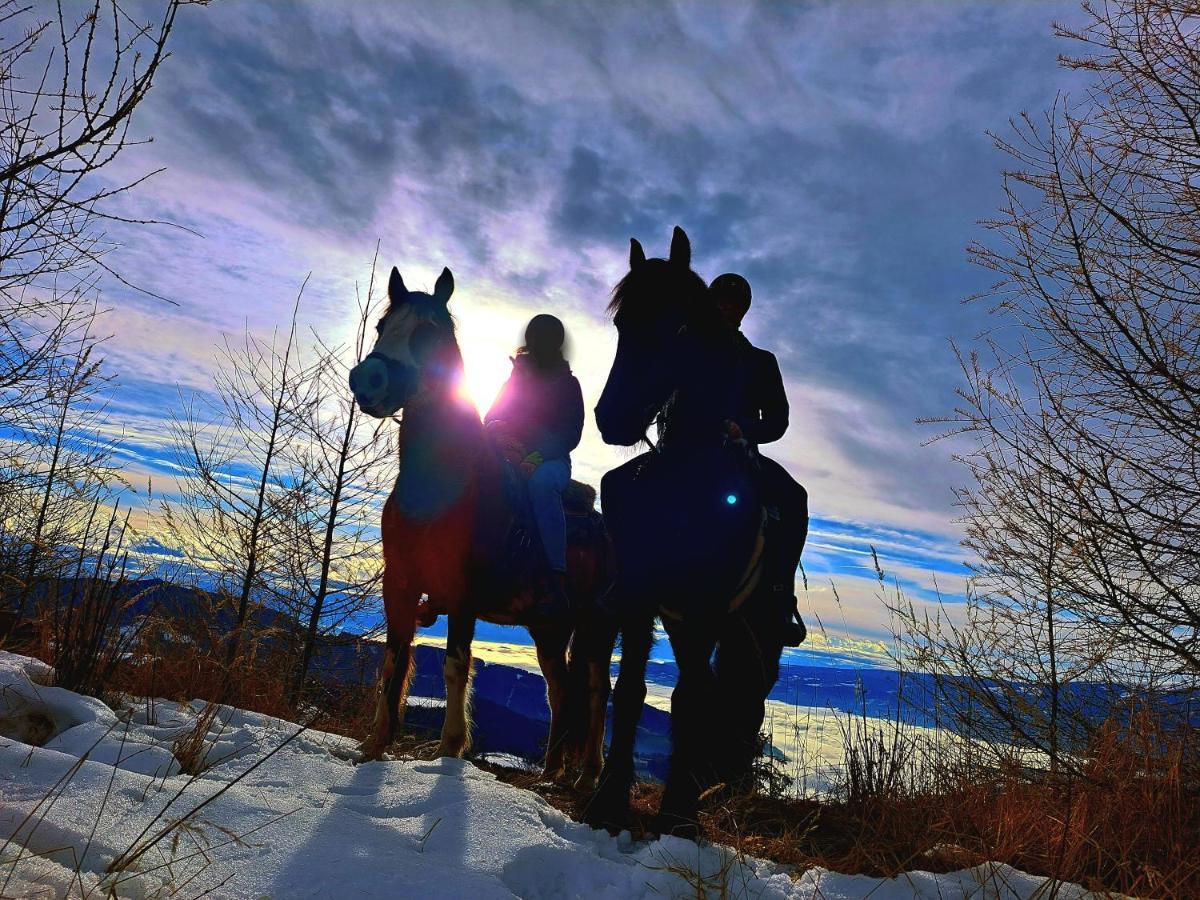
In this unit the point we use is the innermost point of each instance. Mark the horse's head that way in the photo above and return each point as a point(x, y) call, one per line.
point(415, 351)
point(650, 306)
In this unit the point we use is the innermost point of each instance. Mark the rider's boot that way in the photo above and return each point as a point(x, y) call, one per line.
point(792, 629)
point(779, 577)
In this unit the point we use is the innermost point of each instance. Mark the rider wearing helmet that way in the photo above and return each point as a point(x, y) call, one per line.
point(539, 412)
point(758, 415)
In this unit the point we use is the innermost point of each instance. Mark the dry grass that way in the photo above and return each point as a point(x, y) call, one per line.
point(186, 661)
point(191, 749)
point(1131, 822)
point(1130, 825)
point(183, 659)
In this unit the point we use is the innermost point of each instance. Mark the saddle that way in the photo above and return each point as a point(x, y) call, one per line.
point(523, 555)
point(688, 529)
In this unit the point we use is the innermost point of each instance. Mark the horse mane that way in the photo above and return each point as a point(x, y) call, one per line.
point(658, 286)
point(657, 293)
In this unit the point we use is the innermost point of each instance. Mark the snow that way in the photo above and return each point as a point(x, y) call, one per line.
point(288, 814)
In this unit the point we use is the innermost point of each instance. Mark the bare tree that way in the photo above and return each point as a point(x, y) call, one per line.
point(59, 464)
point(1084, 405)
point(72, 77)
point(70, 84)
point(332, 562)
point(236, 498)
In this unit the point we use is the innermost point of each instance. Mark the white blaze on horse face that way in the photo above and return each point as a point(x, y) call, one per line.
point(393, 340)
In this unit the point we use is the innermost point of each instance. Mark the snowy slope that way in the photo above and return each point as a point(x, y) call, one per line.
point(307, 822)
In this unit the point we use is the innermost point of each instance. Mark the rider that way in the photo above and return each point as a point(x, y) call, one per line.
point(539, 412)
point(759, 415)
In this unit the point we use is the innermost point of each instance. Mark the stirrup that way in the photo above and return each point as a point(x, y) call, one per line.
point(793, 634)
point(793, 631)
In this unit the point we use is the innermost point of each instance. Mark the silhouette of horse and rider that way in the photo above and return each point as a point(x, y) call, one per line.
point(700, 530)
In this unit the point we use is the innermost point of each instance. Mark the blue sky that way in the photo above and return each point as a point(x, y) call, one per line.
point(833, 153)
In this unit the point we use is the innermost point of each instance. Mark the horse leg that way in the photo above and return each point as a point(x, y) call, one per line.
point(692, 727)
point(592, 656)
point(456, 729)
point(589, 662)
point(609, 806)
point(551, 644)
point(591, 685)
point(598, 689)
point(629, 695)
point(747, 667)
point(400, 609)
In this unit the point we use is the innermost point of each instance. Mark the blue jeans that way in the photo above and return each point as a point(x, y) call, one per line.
point(546, 486)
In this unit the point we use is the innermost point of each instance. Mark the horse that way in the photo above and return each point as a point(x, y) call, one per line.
point(448, 534)
point(687, 527)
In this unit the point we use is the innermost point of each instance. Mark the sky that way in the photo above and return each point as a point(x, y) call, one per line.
point(835, 154)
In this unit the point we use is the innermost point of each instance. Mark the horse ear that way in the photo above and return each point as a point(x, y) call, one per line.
point(444, 287)
point(637, 255)
point(681, 248)
point(397, 292)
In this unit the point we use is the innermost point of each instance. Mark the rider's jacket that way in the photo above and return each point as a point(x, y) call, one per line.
point(758, 403)
point(732, 380)
point(541, 406)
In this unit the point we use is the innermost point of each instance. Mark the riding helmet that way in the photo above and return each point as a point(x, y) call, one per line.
point(544, 334)
point(731, 286)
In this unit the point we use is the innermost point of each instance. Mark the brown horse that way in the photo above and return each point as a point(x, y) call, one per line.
point(447, 534)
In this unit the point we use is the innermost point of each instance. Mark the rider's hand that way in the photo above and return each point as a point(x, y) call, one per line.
point(531, 462)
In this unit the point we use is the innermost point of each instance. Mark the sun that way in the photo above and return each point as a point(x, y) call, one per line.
point(483, 378)
point(488, 338)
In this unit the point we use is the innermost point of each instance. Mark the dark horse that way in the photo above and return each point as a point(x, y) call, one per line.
point(687, 526)
point(447, 533)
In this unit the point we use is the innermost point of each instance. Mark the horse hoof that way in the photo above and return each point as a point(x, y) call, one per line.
point(554, 773)
point(369, 751)
point(608, 807)
point(452, 749)
point(675, 825)
point(611, 820)
point(588, 780)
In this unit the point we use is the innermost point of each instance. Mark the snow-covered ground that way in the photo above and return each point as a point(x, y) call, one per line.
point(305, 821)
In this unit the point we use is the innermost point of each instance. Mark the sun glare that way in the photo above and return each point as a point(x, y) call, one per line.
point(482, 381)
point(488, 338)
